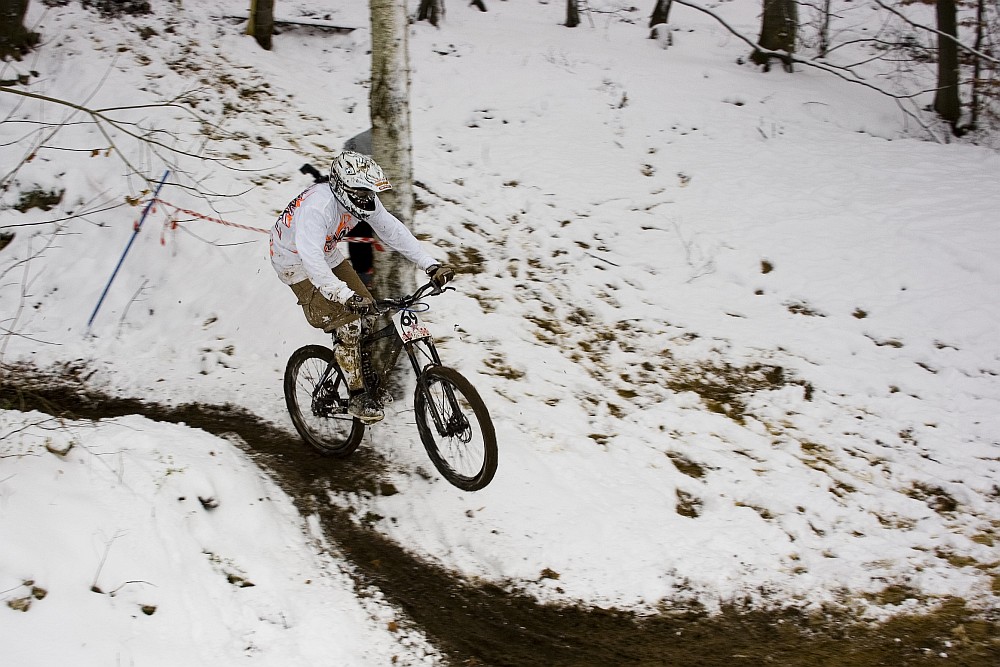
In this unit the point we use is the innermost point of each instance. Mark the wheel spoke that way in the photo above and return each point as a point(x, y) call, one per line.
point(455, 428)
point(317, 397)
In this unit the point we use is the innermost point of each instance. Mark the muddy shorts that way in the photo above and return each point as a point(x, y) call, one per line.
point(321, 312)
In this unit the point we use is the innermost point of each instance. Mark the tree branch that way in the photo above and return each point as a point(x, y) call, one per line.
point(103, 121)
point(788, 57)
point(937, 32)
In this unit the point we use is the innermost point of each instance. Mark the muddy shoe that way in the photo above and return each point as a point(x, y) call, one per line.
point(363, 407)
point(382, 396)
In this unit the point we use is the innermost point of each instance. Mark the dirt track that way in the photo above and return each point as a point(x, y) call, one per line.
point(485, 625)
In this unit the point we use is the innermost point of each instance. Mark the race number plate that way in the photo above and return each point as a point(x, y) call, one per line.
point(409, 326)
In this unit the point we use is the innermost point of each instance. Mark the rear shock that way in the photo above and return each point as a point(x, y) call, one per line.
point(368, 370)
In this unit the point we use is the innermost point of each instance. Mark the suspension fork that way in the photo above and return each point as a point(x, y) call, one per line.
point(421, 351)
point(422, 355)
point(456, 422)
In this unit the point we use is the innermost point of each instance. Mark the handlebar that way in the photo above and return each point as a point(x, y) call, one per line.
point(383, 306)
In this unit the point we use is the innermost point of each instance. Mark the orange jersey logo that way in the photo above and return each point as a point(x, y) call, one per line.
point(344, 226)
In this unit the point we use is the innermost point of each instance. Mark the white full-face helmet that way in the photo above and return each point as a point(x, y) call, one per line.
point(355, 180)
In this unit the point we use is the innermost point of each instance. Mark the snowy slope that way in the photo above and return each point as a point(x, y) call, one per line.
point(736, 330)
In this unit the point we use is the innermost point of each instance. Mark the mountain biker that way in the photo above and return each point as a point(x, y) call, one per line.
point(305, 256)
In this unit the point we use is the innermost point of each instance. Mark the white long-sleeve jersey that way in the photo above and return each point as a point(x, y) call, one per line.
point(305, 236)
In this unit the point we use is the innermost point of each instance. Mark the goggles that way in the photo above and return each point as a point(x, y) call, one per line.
point(360, 195)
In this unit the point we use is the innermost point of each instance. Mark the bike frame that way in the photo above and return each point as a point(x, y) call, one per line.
point(397, 345)
point(415, 350)
point(388, 331)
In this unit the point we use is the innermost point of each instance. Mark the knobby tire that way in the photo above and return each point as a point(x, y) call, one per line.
point(466, 453)
point(319, 414)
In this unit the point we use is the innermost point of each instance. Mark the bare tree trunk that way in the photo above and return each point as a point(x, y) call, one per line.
point(778, 31)
point(431, 10)
point(261, 22)
point(390, 115)
point(658, 21)
point(661, 13)
point(15, 39)
point(572, 13)
point(977, 65)
point(946, 101)
point(825, 16)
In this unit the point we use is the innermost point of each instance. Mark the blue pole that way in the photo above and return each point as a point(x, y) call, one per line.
point(135, 233)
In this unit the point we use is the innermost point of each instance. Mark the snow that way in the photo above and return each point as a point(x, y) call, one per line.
point(156, 544)
point(627, 218)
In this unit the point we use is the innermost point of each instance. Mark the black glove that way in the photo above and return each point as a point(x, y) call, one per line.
point(440, 275)
point(360, 305)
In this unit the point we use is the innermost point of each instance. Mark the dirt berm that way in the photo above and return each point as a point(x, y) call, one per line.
point(487, 625)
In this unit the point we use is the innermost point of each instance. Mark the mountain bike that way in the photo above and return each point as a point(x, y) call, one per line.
point(452, 420)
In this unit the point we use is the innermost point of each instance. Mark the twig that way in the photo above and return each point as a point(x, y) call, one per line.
point(959, 44)
point(26, 427)
point(705, 268)
point(69, 217)
point(602, 259)
point(9, 332)
point(146, 136)
point(104, 558)
point(126, 583)
point(919, 121)
point(788, 57)
point(121, 320)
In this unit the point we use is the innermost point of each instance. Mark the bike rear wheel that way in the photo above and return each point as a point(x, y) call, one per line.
point(316, 395)
point(456, 428)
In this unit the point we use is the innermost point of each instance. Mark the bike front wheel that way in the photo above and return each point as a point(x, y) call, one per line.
point(456, 428)
point(316, 395)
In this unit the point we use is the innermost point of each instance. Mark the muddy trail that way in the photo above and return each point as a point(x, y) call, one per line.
point(476, 624)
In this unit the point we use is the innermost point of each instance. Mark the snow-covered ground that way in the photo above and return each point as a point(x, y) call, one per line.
point(737, 332)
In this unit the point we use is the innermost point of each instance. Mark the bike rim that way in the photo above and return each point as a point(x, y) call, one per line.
point(317, 412)
point(457, 435)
